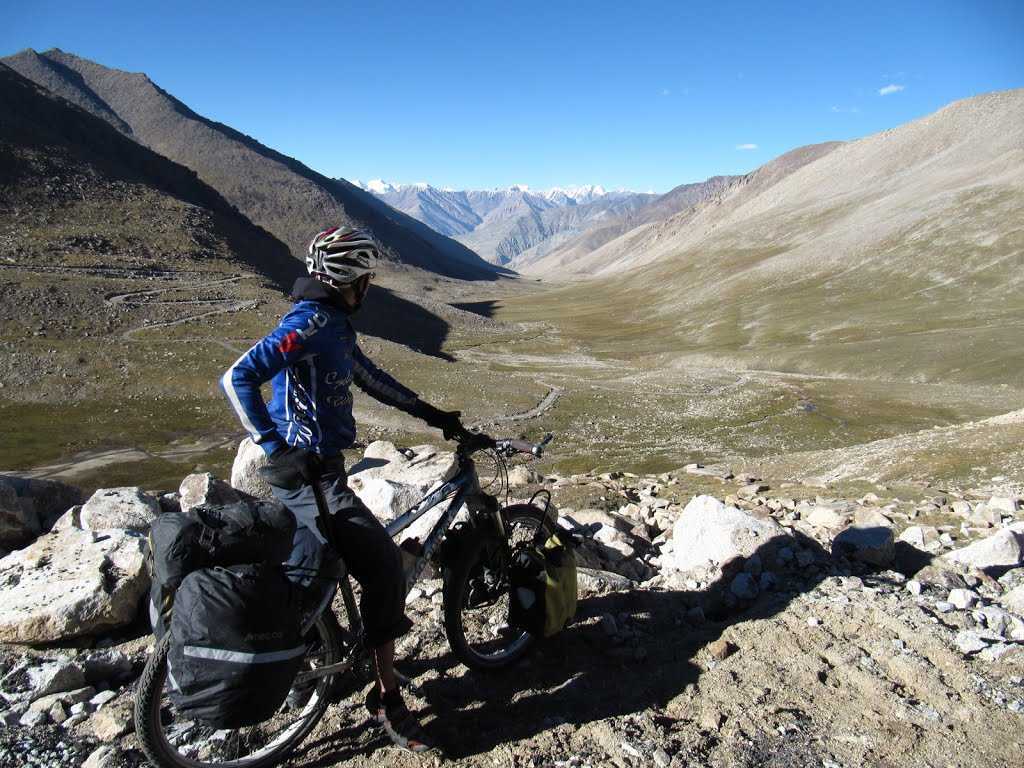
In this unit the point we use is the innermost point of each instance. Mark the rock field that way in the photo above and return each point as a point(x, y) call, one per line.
point(722, 621)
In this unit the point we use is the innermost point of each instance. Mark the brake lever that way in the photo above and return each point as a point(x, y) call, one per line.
point(538, 450)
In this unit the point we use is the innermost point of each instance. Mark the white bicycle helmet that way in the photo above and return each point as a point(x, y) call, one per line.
point(342, 254)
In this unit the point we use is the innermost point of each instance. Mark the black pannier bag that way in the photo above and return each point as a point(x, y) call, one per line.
point(235, 644)
point(175, 552)
point(207, 536)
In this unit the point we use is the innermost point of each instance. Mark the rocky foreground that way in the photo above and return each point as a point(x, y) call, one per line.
point(721, 622)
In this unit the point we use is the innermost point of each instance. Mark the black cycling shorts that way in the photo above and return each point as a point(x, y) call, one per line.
point(369, 553)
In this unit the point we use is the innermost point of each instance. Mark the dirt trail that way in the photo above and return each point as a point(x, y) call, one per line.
point(93, 461)
point(546, 403)
point(129, 297)
point(234, 307)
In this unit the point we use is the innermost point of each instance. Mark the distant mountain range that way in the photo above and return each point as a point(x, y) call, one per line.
point(274, 191)
point(502, 224)
point(576, 194)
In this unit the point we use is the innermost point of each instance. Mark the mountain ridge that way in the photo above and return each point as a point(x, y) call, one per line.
point(37, 118)
point(274, 190)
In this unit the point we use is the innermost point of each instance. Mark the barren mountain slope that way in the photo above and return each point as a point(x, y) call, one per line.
point(77, 196)
point(621, 245)
point(88, 216)
point(503, 225)
point(897, 256)
point(502, 214)
point(515, 233)
point(979, 448)
point(444, 211)
point(276, 191)
point(567, 255)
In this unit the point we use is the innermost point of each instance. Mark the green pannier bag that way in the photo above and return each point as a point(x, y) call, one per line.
point(543, 587)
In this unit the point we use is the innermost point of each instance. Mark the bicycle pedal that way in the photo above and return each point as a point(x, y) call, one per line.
point(406, 682)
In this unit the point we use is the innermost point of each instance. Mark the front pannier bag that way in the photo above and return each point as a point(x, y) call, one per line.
point(235, 644)
point(543, 587)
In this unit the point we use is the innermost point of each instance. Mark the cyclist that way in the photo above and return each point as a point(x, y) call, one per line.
point(311, 359)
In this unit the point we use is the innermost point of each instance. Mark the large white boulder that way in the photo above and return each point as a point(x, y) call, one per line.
point(709, 534)
point(204, 488)
point(387, 499)
point(521, 475)
point(1007, 505)
point(588, 517)
point(1003, 549)
point(871, 517)
point(825, 517)
point(123, 508)
point(55, 676)
point(925, 537)
point(71, 583)
point(617, 544)
point(245, 471)
point(1014, 600)
point(985, 516)
point(421, 466)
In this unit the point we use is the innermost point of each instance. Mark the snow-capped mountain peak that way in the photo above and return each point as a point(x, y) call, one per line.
point(571, 194)
point(578, 193)
point(503, 221)
point(379, 186)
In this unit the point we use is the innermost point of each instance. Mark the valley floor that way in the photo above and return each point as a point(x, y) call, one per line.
point(137, 397)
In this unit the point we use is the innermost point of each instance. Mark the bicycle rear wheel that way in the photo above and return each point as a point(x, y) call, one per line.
point(172, 741)
point(476, 594)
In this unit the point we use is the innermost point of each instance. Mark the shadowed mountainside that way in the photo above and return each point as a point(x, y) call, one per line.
point(57, 161)
point(275, 191)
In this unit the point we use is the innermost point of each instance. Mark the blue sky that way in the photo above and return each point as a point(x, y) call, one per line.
point(643, 95)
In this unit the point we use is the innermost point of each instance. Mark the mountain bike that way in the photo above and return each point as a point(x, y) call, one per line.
point(471, 545)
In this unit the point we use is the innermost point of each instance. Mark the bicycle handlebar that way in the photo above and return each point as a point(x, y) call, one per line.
point(509, 446)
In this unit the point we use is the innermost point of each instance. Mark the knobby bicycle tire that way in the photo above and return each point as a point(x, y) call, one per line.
point(456, 583)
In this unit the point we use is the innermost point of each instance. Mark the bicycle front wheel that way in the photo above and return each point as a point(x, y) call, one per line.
point(476, 594)
point(173, 741)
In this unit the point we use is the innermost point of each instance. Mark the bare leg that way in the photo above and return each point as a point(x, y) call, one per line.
point(384, 660)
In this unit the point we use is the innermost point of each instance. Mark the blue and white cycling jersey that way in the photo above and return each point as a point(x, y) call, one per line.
point(311, 359)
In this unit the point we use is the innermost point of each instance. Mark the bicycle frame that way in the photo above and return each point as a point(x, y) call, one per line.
point(461, 488)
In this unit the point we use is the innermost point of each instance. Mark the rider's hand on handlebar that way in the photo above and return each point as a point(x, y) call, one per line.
point(447, 421)
point(475, 441)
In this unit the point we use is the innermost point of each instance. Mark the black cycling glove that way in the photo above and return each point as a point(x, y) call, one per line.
point(447, 421)
point(292, 467)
